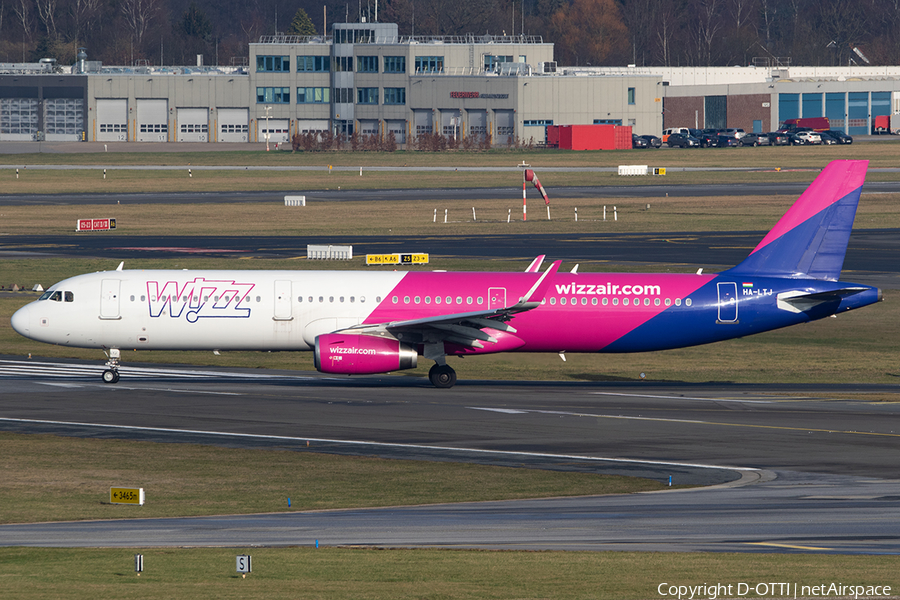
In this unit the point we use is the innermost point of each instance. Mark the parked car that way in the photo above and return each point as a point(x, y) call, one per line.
point(639, 142)
point(727, 140)
point(738, 133)
point(827, 139)
point(796, 140)
point(811, 137)
point(755, 139)
point(681, 140)
point(654, 141)
point(840, 136)
point(671, 130)
point(778, 139)
point(708, 140)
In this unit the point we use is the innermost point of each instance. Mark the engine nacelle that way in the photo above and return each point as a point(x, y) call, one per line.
point(362, 354)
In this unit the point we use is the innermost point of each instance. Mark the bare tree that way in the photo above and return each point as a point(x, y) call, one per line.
point(708, 25)
point(84, 15)
point(46, 10)
point(138, 15)
point(22, 8)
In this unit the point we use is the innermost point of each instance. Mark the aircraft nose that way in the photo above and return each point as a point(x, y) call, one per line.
point(21, 321)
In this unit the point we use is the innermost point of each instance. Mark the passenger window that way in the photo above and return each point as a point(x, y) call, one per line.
point(68, 297)
point(143, 298)
point(605, 301)
point(321, 299)
point(449, 300)
point(352, 299)
point(615, 301)
point(394, 299)
point(688, 302)
point(562, 301)
point(668, 302)
point(480, 300)
point(584, 301)
point(594, 301)
point(417, 299)
point(459, 299)
point(468, 299)
point(624, 301)
point(552, 301)
point(427, 299)
point(677, 301)
point(437, 299)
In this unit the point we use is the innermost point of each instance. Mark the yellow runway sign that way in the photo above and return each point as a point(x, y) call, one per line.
point(396, 259)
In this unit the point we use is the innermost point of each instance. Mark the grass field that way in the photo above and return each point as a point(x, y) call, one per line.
point(372, 574)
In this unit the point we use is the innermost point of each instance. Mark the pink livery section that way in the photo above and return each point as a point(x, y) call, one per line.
point(577, 313)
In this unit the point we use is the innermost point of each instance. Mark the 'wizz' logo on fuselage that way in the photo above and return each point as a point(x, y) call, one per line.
point(199, 298)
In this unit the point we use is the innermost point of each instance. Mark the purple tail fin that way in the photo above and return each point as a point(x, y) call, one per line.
point(811, 238)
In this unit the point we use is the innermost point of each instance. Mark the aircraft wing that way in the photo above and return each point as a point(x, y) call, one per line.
point(462, 328)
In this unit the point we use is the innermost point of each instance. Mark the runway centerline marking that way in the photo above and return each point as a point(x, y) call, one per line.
point(225, 434)
point(693, 421)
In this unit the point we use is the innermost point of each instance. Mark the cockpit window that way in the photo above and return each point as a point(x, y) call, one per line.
point(58, 296)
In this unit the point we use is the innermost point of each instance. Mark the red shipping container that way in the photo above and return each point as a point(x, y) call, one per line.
point(623, 137)
point(591, 137)
point(553, 136)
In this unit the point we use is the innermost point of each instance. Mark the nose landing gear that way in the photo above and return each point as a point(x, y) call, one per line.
point(111, 374)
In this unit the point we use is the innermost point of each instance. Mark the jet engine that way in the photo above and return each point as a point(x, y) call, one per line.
point(362, 354)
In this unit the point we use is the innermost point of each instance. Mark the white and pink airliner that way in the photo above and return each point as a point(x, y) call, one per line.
point(363, 322)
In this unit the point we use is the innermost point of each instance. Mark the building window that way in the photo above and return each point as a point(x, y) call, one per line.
point(607, 121)
point(343, 95)
point(429, 64)
point(313, 64)
point(538, 122)
point(492, 63)
point(273, 64)
point(395, 64)
point(367, 64)
point(354, 36)
point(630, 95)
point(367, 95)
point(313, 95)
point(395, 95)
point(273, 95)
point(343, 63)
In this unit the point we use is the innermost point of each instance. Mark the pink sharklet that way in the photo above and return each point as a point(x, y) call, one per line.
point(837, 180)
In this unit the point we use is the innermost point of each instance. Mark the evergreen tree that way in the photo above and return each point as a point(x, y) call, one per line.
point(301, 24)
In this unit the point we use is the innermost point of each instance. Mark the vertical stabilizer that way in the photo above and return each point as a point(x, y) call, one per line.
point(811, 239)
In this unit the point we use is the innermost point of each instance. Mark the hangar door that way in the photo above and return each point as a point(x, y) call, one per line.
point(63, 119)
point(424, 120)
point(112, 120)
point(152, 120)
point(18, 119)
point(451, 124)
point(369, 126)
point(398, 128)
point(477, 122)
point(233, 125)
point(278, 130)
point(504, 126)
point(192, 125)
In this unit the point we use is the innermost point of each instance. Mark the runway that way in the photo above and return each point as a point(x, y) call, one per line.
point(782, 456)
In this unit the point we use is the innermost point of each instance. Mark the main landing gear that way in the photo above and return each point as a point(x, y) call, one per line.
point(442, 376)
point(111, 374)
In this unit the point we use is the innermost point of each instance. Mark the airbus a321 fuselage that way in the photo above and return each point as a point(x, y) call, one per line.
point(377, 322)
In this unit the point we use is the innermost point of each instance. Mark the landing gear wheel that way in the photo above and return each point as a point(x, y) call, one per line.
point(110, 376)
point(442, 376)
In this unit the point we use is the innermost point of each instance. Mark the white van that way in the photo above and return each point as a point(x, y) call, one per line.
point(671, 130)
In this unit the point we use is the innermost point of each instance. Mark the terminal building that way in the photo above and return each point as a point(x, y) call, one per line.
point(365, 78)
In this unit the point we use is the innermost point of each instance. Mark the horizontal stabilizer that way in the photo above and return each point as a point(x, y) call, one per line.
point(801, 302)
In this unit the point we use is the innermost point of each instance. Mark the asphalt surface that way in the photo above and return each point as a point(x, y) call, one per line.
point(803, 467)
